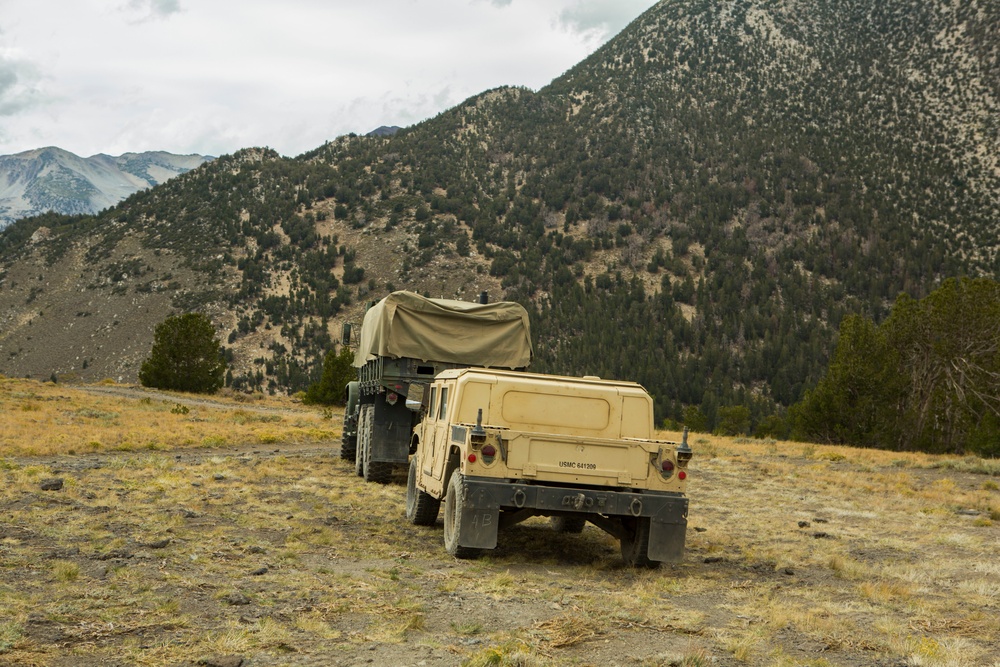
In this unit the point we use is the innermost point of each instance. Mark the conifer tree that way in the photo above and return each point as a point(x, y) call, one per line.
point(186, 356)
point(338, 370)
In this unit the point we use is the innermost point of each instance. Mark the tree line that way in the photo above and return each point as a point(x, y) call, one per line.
point(926, 379)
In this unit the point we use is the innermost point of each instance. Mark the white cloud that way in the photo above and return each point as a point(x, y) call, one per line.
point(601, 19)
point(110, 76)
point(153, 9)
point(19, 86)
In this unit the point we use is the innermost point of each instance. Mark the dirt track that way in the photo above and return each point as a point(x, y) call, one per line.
point(193, 400)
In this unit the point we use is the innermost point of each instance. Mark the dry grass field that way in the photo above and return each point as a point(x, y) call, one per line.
point(192, 531)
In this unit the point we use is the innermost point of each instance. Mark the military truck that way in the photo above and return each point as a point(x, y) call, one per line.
point(499, 447)
point(404, 339)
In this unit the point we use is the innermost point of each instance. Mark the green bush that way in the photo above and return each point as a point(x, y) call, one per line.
point(695, 419)
point(733, 420)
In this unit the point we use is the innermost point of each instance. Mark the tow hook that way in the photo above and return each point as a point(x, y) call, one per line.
point(635, 507)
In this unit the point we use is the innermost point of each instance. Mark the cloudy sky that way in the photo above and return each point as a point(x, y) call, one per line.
point(213, 76)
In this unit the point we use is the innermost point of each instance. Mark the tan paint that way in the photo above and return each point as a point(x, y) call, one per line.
point(582, 431)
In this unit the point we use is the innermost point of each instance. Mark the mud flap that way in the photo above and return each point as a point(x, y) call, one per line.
point(392, 426)
point(480, 519)
point(666, 538)
point(479, 528)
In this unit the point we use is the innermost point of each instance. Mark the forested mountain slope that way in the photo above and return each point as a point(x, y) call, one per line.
point(696, 206)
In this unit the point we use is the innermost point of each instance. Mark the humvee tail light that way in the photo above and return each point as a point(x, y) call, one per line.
point(489, 453)
point(662, 463)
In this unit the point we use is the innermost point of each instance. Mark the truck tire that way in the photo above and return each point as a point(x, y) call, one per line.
point(364, 436)
point(348, 444)
point(454, 503)
point(373, 471)
point(635, 545)
point(421, 508)
point(568, 524)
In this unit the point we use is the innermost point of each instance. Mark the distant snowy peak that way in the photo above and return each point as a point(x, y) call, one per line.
point(52, 179)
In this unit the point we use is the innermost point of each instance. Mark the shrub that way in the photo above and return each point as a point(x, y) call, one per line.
point(734, 420)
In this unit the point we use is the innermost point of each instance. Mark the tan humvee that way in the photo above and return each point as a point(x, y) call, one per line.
point(499, 447)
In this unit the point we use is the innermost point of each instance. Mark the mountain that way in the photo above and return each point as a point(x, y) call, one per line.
point(696, 206)
point(384, 131)
point(51, 179)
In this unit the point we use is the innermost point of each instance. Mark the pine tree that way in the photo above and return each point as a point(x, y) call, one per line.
point(186, 356)
point(338, 370)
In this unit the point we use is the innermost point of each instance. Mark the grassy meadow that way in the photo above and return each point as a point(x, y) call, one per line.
point(222, 531)
point(46, 419)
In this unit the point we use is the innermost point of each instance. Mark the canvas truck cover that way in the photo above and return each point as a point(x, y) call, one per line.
point(404, 324)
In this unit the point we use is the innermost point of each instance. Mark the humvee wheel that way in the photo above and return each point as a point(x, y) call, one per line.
point(636, 545)
point(364, 435)
point(454, 503)
point(421, 508)
point(568, 524)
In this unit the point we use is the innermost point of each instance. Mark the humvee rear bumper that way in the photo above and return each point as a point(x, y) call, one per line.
point(485, 498)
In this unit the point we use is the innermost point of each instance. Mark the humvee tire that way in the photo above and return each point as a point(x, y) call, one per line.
point(568, 524)
point(421, 508)
point(454, 503)
point(636, 543)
